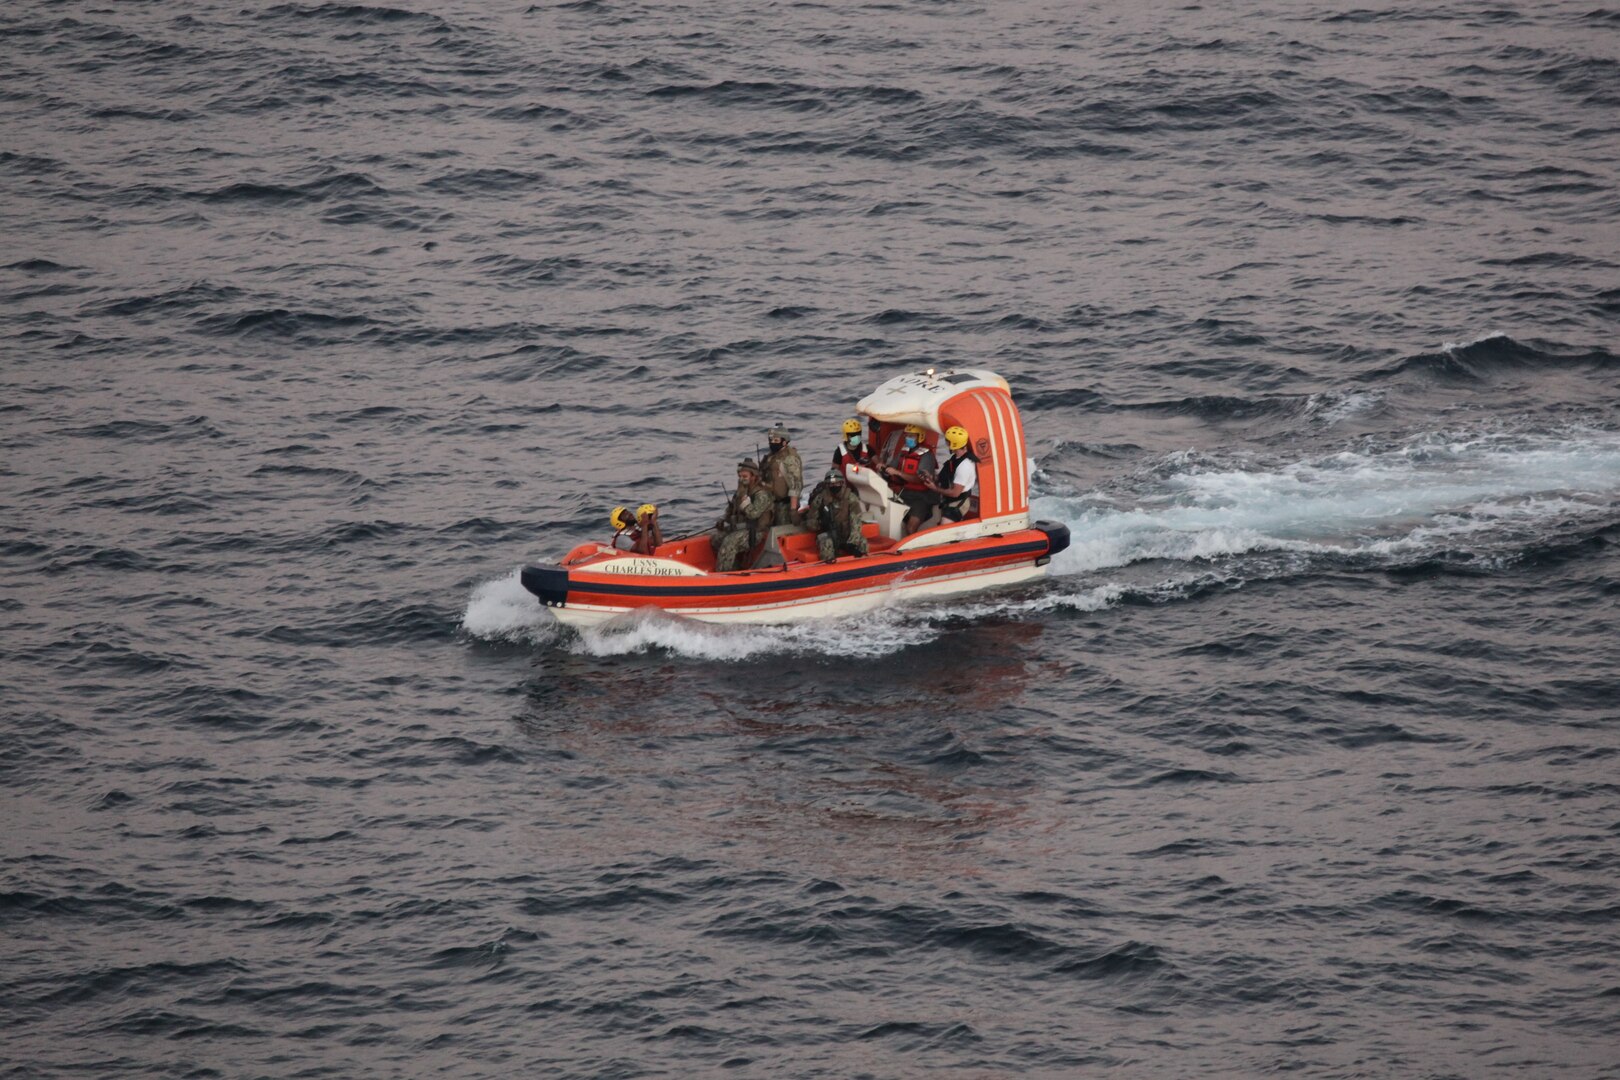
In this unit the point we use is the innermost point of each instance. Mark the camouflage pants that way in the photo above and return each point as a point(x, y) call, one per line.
point(829, 547)
point(733, 546)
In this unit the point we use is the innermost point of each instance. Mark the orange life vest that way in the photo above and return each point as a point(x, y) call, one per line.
point(844, 457)
point(911, 469)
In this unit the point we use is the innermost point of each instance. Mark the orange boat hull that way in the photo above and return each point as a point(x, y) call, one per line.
point(800, 589)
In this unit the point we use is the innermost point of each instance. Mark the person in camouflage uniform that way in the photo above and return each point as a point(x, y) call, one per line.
point(835, 515)
point(783, 475)
point(748, 517)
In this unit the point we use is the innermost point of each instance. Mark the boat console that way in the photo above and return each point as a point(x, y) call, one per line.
point(878, 503)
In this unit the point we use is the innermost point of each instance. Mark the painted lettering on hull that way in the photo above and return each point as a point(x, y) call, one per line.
point(645, 568)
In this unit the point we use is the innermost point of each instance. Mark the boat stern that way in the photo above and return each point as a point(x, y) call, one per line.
point(1057, 538)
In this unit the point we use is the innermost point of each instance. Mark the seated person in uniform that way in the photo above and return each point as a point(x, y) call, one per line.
point(747, 519)
point(834, 514)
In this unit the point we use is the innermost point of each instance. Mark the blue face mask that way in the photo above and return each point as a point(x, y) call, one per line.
point(911, 442)
point(854, 440)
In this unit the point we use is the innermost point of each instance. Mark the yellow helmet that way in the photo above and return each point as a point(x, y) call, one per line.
point(913, 429)
point(620, 518)
point(648, 508)
point(956, 437)
point(851, 427)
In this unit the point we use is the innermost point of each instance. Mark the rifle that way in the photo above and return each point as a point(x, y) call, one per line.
point(731, 506)
point(814, 492)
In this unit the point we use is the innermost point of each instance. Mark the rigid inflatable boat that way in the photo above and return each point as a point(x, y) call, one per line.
point(996, 544)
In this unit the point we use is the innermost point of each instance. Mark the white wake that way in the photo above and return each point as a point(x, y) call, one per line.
point(1390, 503)
point(1417, 496)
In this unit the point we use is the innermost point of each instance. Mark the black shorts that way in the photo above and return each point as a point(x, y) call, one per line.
point(920, 503)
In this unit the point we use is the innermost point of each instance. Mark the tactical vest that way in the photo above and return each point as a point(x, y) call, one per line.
point(835, 513)
point(737, 514)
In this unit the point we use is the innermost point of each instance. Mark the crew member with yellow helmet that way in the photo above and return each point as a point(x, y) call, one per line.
point(624, 528)
point(652, 535)
point(912, 477)
point(853, 450)
point(638, 532)
point(957, 477)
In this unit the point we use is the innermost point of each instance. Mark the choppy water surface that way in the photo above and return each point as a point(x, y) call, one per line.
point(317, 320)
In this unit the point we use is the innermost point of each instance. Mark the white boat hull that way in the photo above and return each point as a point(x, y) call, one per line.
point(844, 604)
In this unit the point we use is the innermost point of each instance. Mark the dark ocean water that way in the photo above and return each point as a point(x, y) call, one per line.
point(317, 320)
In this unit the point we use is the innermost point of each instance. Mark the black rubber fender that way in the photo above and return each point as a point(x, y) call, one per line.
point(1057, 536)
point(547, 581)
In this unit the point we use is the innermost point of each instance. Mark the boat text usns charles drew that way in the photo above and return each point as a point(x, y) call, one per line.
point(996, 544)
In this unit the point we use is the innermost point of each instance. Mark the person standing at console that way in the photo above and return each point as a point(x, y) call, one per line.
point(782, 472)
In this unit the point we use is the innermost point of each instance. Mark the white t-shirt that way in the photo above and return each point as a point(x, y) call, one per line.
point(967, 474)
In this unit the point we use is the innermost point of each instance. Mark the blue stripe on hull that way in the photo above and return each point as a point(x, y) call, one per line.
point(551, 583)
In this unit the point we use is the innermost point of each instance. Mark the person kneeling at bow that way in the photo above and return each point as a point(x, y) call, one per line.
point(638, 532)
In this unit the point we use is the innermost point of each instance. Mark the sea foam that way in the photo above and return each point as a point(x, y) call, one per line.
point(1388, 503)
